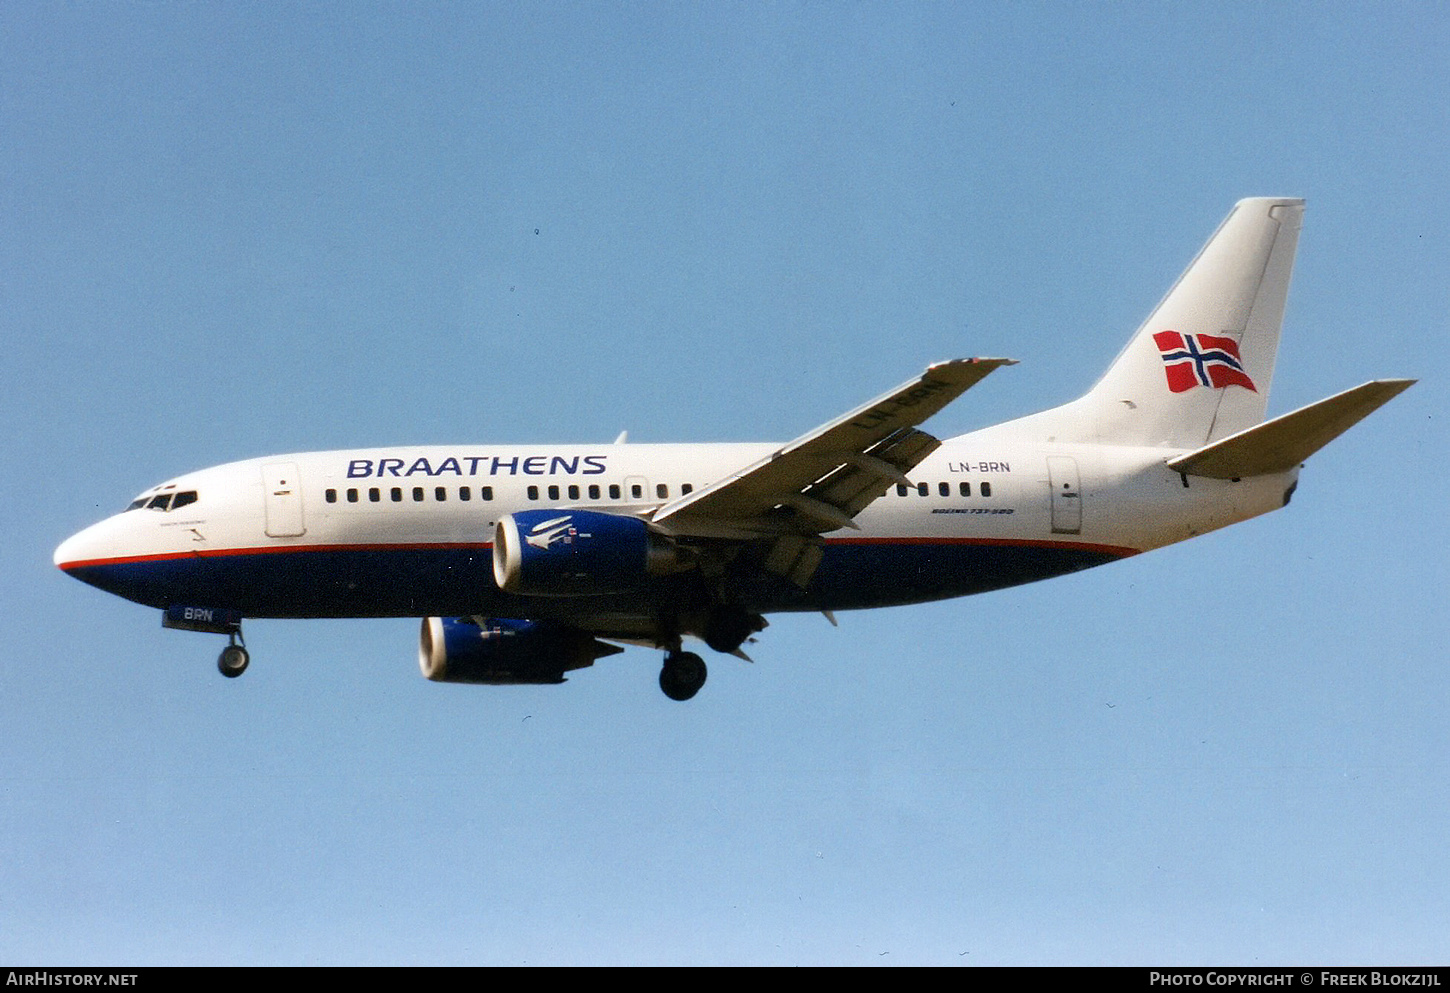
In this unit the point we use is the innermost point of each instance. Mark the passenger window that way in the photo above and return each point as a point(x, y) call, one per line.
point(922, 489)
point(375, 494)
point(417, 494)
point(965, 489)
point(986, 489)
point(486, 492)
point(636, 490)
point(533, 492)
point(686, 489)
point(464, 493)
point(553, 492)
point(440, 493)
point(573, 493)
point(901, 489)
point(331, 496)
point(944, 489)
point(352, 495)
point(397, 494)
point(614, 491)
point(594, 491)
point(661, 490)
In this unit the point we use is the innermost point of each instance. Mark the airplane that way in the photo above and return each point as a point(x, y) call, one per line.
point(530, 562)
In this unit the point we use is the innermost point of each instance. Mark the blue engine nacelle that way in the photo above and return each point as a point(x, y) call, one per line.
point(459, 650)
point(577, 553)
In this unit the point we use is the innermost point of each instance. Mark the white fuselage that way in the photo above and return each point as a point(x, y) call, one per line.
point(408, 531)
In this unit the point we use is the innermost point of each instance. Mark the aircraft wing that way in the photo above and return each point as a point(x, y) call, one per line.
point(823, 479)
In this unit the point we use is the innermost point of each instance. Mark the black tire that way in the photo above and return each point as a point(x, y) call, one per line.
point(683, 675)
point(232, 662)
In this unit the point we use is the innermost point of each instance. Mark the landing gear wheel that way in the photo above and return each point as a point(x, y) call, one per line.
point(683, 675)
point(232, 662)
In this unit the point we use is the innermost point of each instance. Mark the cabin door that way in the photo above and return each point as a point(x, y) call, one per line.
point(1066, 494)
point(282, 491)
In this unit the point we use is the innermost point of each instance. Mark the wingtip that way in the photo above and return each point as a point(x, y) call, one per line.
point(976, 360)
point(1391, 388)
point(1271, 201)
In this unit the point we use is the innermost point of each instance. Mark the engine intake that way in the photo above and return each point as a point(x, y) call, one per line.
point(460, 650)
point(578, 553)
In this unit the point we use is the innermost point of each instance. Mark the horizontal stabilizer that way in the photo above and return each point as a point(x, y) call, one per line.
point(1284, 442)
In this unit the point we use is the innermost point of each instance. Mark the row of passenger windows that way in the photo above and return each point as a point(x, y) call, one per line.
point(943, 489)
point(418, 494)
point(374, 494)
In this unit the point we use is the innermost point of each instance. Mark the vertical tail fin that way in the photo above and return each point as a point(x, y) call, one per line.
point(1200, 367)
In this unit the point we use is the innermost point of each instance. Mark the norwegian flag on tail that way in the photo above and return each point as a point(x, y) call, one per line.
point(1191, 360)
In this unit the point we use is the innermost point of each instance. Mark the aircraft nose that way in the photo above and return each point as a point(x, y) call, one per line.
point(105, 554)
point(77, 549)
point(65, 552)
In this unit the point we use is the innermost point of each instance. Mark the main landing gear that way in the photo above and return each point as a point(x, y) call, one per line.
point(233, 660)
point(683, 675)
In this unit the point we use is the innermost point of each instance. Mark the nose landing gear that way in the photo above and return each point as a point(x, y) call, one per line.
point(233, 660)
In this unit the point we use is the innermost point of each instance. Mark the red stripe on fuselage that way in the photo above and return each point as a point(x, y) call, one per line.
point(209, 553)
point(1082, 546)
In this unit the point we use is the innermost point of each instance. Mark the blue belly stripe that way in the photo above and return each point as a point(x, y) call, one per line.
point(443, 579)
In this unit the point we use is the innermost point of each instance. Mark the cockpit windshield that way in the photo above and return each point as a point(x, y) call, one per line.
point(163, 501)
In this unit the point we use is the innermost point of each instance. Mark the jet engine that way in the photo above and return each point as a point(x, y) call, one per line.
point(461, 650)
point(578, 553)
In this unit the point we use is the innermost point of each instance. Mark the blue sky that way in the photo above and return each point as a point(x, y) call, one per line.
point(243, 229)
